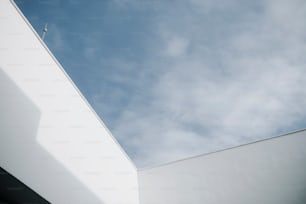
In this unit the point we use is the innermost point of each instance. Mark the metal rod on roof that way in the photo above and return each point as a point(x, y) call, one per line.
point(45, 30)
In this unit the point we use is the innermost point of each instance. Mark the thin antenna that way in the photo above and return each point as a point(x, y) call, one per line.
point(45, 30)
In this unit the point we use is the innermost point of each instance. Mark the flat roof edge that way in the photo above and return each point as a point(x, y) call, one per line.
point(222, 150)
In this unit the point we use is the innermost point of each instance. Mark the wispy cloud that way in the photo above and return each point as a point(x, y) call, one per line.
point(177, 79)
point(238, 75)
point(175, 46)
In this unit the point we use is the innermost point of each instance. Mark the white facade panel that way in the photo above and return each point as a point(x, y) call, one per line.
point(271, 171)
point(50, 138)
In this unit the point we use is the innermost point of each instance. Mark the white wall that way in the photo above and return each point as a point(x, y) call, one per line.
point(50, 138)
point(271, 171)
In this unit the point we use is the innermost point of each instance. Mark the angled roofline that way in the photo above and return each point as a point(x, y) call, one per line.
point(221, 150)
point(71, 81)
point(109, 132)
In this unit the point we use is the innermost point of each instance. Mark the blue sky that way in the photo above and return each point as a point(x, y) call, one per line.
point(172, 79)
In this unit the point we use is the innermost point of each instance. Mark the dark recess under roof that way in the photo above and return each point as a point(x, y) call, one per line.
point(13, 191)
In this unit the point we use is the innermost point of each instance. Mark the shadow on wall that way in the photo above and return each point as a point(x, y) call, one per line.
point(23, 157)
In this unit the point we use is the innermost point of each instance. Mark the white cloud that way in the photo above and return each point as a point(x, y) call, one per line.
point(176, 46)
point(225, 77)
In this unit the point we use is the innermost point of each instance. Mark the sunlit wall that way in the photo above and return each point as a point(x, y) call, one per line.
point(270, 171)
point(50, 138)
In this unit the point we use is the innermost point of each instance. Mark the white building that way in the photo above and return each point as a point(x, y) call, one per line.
point(53, 142)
